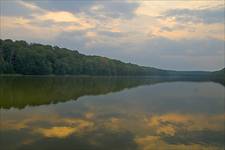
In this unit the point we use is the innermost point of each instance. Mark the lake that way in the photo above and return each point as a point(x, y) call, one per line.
point(109, 113)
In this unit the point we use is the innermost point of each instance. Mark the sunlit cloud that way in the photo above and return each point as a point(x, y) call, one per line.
point(57, 132)
point(21, 28)
point(12, 124)
point(169, 124)
point(155, 142)
point(59, 17)
point(74, 126)
point(69, 125)
point(8, 22)
point(150, 130)
point(31, 25)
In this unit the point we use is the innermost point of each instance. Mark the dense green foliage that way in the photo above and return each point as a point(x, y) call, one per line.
point(19, 57)
point(35, 59)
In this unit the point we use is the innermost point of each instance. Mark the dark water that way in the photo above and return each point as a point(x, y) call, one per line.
point(106, 113)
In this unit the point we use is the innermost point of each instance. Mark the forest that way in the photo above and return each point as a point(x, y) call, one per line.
point(20, 57)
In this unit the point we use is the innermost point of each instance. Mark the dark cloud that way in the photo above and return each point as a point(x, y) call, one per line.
point(210, 15)
point(73, 6)
point(120, 9)
point(112, 9)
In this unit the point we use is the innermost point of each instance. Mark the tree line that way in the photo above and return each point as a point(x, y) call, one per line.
point(20, 57)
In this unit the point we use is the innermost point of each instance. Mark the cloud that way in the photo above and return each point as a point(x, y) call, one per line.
point(59, 17)
point(206, 15)
point(68, 5)
point(42, 22)
point(57, 132)
point(172, 123)
point(125, 10)
point(23, 28)
point(157, 8)
point(30, 6)
point(77, 22)
point(74, 22)
point(73, 126)
point(111, 34)
point(155, 142)
point(117, 9)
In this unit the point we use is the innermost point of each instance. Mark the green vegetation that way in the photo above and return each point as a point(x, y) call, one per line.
point(35, 59)
point(19, 57)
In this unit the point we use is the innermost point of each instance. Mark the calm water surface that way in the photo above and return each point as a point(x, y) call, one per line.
point(102, 113)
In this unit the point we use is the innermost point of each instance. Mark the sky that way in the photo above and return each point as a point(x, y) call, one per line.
point(178, 35)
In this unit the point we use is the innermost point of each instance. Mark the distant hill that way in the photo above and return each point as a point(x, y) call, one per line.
point(219, 73)
point(218, 76)
point(19, 57)
point(36, 59)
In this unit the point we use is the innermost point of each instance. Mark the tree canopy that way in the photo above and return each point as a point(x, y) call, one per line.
point(36, 59)
point(20, 57)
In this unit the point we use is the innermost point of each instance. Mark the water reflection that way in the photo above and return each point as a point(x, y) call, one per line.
point(19, 92)
point(110, 114)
